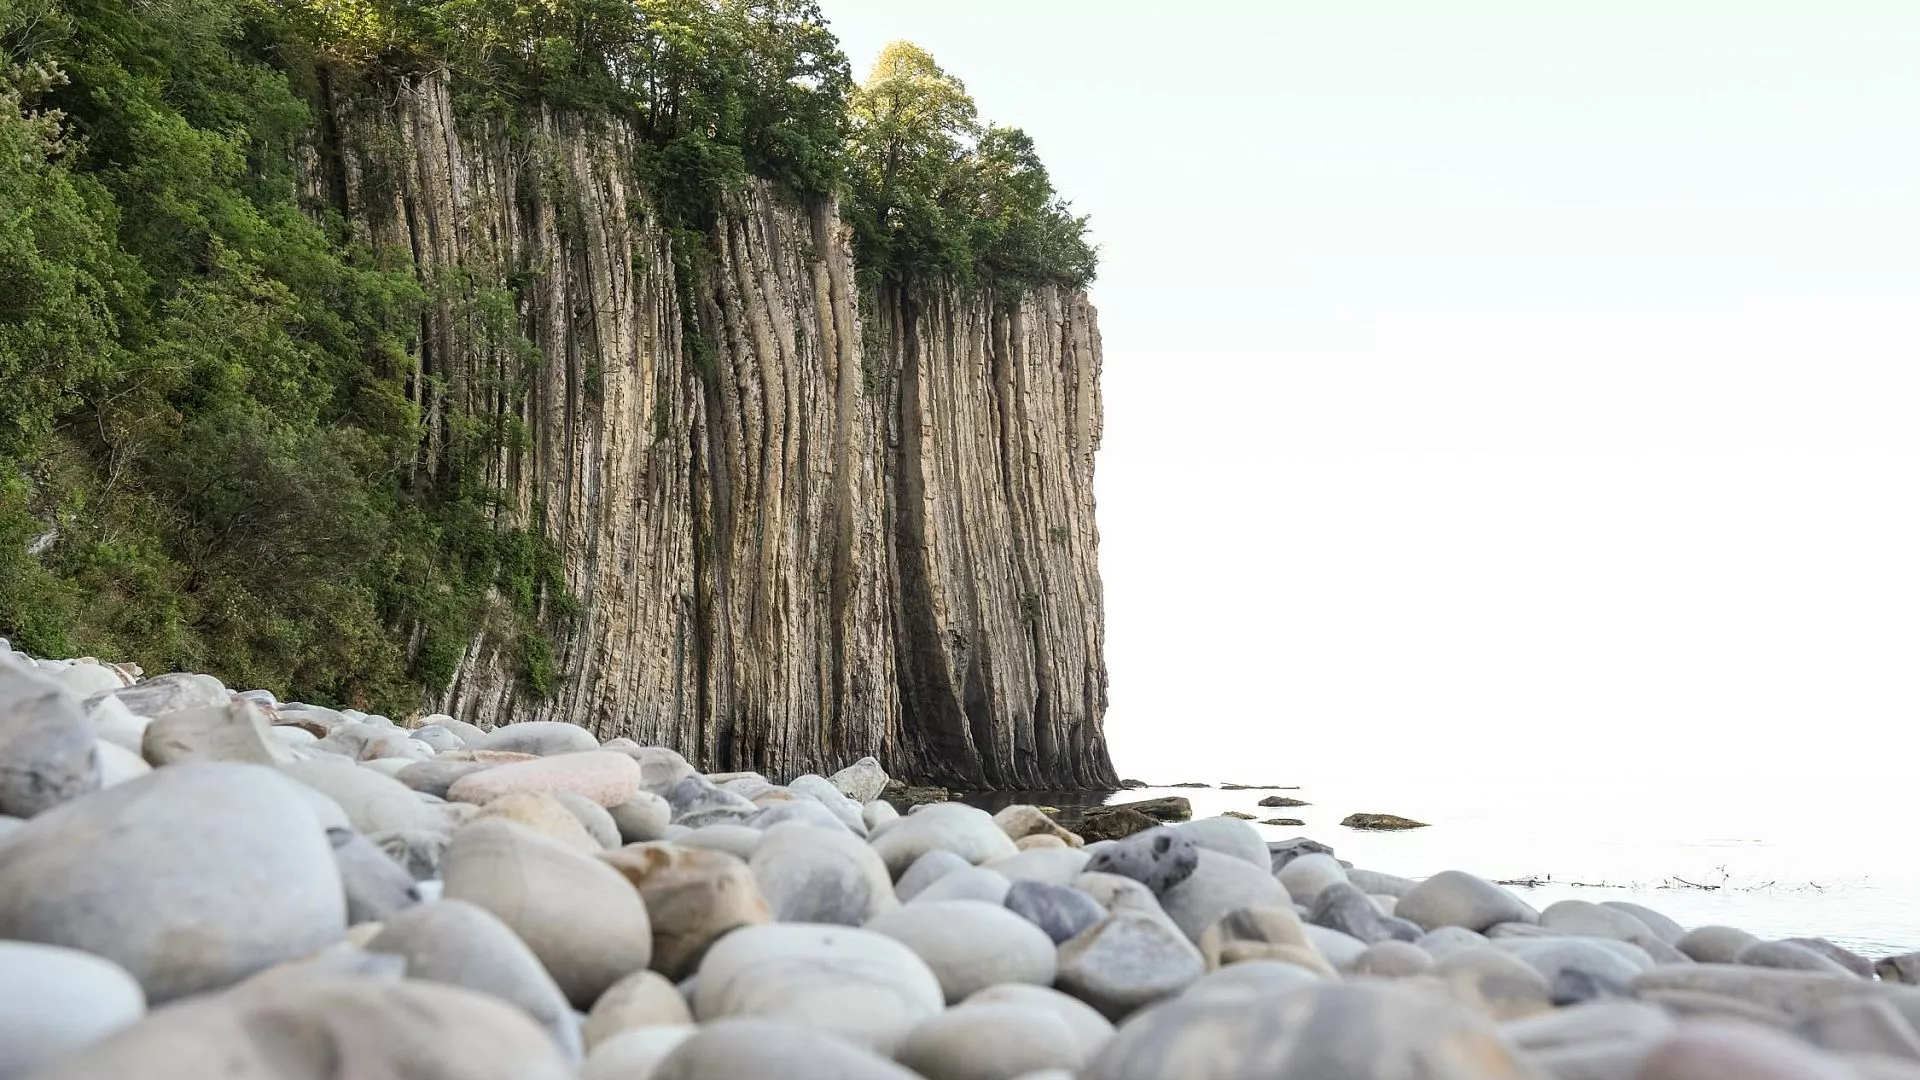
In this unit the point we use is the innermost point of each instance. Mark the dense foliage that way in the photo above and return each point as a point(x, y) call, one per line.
point(209, 449)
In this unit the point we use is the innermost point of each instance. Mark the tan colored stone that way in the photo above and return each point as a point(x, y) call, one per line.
point(543, 814)
point(693, 896)
point(606, 777)
point(1041, 840)
point(1238, 935)
point(1021, 821)
point(642, 999)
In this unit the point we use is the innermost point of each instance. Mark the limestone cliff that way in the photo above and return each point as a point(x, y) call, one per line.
point(798, 523)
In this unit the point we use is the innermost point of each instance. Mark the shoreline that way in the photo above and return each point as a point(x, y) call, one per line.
point(530, 903)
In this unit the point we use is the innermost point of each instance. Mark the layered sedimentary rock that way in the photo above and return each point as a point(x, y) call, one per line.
point(797, 524)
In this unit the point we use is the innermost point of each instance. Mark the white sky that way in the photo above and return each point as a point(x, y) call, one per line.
point(1490, 385)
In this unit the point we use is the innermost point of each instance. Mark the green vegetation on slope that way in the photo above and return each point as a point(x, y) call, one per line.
point(208, 443)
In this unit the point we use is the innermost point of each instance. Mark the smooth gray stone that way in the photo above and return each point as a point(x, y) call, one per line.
point(1862, 1025)
point(643, 818)
point(660, 768)
point(988, 1041)
point(1581, 968)
point(876, 814)
point(696, 795)
point(821, 790)
point(635, 1053)
point(747, 1049)
point(1452, 898)
point(1118, 894)
point(434, 776)
point(739, 841)
point(222, 856)
point(862, 781)
point(1060, 911)
point(967, 831)
point(1499, 983)
point(373, 803)
point(1340, 950)
point(1342, 906)
point(592, 817)
point(1229, 836)
point(641, 1000)
point(418, 852)
point(327, 1028)
point(1219, 884)
point(376, 886)
point(439, 738)
point(1055, 866)
point(1447, 940)
point(864, 987)
point(56, 1001)
point(1307, 874)
point(1597, 1021)
point(1262, 979)
point(1701, 1005)
point(1788, 956)
point(1126, 961)
point(542, 737)
point(233, 731)
point(582, 919)
point(1663, 928)
point(1845, 957)
point(1904, 968)
point(1712, 1050)
point(465, 945)
point(1158, 858)
point(1374, 883)
point(164, 693)
point(1392, 959)
point(1330, 1031)
point(1715, 944)
point(1796, 993)
point(1578, 918)
point(804, 811)
point(973, 883)
point(1282, 852)
point(1090, 1030)
point(926, 870)
point(47, 755)
point(970, 944)
point(811, 875)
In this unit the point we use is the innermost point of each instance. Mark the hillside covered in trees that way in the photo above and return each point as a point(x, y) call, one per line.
point(210, 447)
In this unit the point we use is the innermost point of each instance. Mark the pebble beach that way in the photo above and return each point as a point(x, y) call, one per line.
point(200, 882)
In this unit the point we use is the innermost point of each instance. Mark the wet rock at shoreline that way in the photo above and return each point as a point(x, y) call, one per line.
point(1112, 823)
point(1381, 822)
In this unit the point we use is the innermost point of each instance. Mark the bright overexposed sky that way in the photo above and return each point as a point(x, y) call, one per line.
point(1490, 385)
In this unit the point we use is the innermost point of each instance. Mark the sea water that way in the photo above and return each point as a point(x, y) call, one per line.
point(1779, 857)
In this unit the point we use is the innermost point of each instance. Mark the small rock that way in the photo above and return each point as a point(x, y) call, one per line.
point(1904, 968)
point(1381, 822)
point(1664, 928)
point(905, 799)
point(862, 781)
point(877, 813)
point(418, 852)
point(1579, 969)
point(693, 896)
point(464, 945)
point(600, 776)
point(1374, 883)
point(988, 1042)
point(118, 764)
point(1846, 958)
point(821, 791)
point(436, 776)
point(1715, 944)
point(1493, 982)
point(861, 986)
point(1260, 933)
point(1296, 822)
point(1392, 959)
point(926, 870)
point(376, 886)
point(1282, 852)
point(1577, 918)
point(1060, 911)
point(438, 737)
point(641, 1000)
point(1862, 1025)
point(163, 694)
point(226, 857)
point(1261, 979)
point(973, 883)
point(47, 753)
point(1127, 961)
point(55, 1001)
point(1055, 866)
point(1716, 1050)
point(1158, 858)
point(1229, 836)
point(1306, 875)
point(593, 817)
point(1283, 802)
point(1452, 898)
point(322, 1028)
point(970, 944)
point(578, 915)
point(1787, 955)
point(1448, 940)
point(1090, 1030)
point(749, 1048)
point(1341, 950)
point(1038, 841)
point(1112, 823)
point(739, 841)
point(1342, 906)
point(1166, 808)
point(544, 738)
point(963, 830)
point(642, 818)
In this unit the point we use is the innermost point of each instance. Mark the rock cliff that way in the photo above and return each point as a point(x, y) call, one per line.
point(800, 519)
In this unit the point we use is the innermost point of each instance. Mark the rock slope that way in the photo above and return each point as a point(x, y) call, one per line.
point(799, 521)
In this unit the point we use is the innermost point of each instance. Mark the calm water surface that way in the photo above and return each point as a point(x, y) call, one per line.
point(1823, 857)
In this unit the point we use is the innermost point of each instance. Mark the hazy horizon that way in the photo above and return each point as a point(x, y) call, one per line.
point(1496, 388)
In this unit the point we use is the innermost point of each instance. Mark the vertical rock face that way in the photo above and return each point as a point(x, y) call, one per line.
point(790, 536)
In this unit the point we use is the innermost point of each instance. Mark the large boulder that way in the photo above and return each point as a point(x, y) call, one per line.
point(856, 984)
point(190, 877)
point(327, 1029)
point(578, 915)
point(47, 753)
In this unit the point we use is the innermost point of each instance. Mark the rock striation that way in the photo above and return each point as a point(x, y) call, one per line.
point(799, 520)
